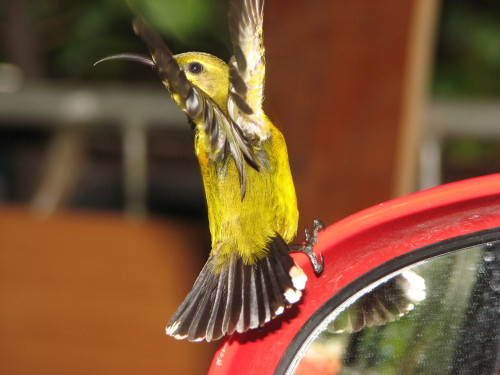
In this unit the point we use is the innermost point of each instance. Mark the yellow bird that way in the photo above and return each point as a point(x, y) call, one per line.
point(250, 277)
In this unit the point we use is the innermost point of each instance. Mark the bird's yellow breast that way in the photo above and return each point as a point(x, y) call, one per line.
point(244, 226)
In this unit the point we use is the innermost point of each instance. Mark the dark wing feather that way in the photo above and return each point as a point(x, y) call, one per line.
point(223, 133)
point(247, 69)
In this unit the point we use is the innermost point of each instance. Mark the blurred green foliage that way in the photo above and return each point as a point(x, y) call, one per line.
point(469, 157)
point(467, 65)
point(71, 35)
point(467, 62)
point(466, 153)
point(187, 20)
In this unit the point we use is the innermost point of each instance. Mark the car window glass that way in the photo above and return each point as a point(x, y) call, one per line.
point(438, 317)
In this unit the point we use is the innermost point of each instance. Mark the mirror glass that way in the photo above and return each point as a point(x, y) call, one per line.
point(438, 317)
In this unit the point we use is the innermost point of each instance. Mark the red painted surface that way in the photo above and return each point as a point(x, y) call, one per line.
point(357, 244)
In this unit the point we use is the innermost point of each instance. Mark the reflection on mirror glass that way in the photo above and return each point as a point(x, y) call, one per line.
point(440, 317)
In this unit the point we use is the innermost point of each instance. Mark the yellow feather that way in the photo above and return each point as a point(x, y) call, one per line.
point(244, 226)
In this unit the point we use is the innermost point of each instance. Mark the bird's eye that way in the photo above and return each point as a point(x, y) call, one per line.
point(195, 68)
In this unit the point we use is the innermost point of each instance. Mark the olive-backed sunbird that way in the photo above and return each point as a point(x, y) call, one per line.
point(250, 277)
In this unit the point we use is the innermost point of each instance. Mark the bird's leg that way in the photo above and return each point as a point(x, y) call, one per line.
point(307, 247)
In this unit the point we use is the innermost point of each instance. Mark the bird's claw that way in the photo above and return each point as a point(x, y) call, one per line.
point(307, 247)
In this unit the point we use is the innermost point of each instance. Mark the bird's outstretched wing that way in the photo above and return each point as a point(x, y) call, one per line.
point(224, 135)
point(247, 67)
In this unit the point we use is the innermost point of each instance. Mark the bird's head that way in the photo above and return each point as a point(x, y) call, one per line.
point(207, 72)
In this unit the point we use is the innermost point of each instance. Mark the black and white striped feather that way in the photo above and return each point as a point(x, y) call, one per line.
point(385, 303)
point(238, 297)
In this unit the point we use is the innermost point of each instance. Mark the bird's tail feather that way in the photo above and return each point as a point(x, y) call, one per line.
point(239, 297)
point(385, 303)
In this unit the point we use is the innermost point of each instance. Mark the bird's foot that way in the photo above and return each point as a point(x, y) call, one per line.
point(307, 247)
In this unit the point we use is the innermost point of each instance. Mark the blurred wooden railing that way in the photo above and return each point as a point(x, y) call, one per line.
point(71, 111)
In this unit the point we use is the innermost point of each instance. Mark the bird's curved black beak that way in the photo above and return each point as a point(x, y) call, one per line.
point(136, 57)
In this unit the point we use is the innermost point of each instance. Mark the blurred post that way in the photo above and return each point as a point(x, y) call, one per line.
point(62, 169)
point(420, 48)
point(21, 38)
point(135, 167)
point(346, 82)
